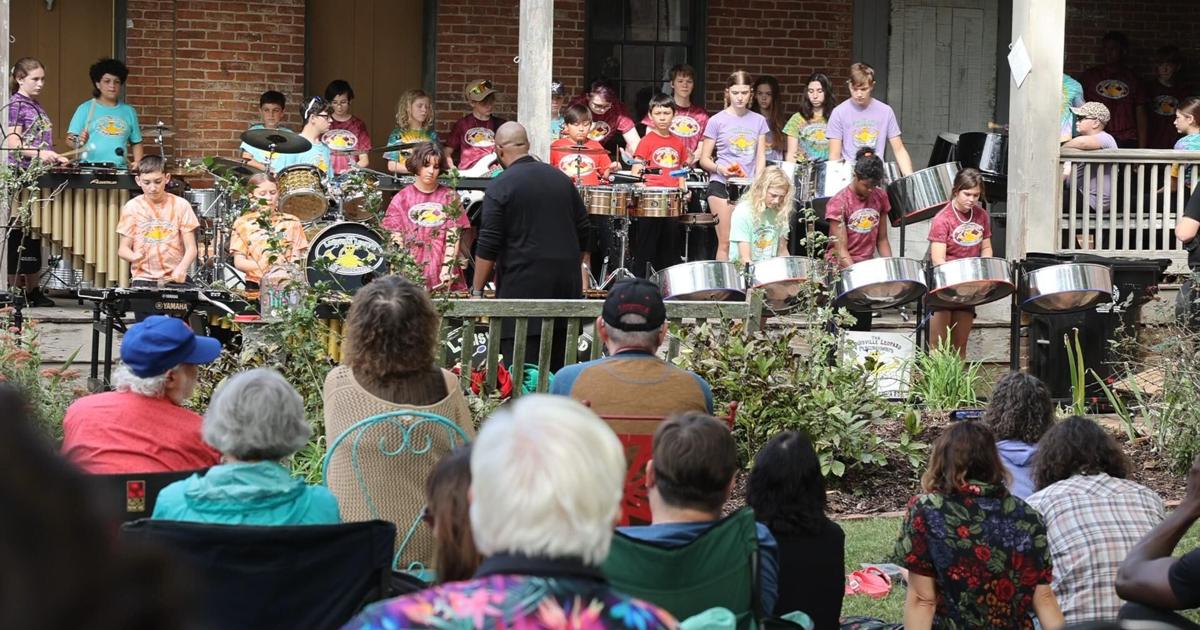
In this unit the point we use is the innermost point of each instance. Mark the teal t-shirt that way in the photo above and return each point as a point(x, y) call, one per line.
point(317, 156)
point(763, 237)
point(109, 128)
point(259, 155)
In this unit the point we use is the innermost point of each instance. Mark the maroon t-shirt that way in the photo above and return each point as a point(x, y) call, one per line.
point(1161, 101)
point(343, 136)
point(1121, 91)
point(862, 218)
point(607, 126)
point(963, 234)
point(471, 139)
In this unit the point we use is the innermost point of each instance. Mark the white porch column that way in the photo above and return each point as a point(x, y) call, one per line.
point(1033, 114)
point(534, 73)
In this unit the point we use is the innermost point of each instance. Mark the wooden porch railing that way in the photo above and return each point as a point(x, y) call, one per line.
point(490, 315)
point(1139, 217)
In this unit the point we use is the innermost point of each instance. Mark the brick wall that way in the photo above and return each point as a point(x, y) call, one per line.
point(200, 66)
point(787, 39)
point(1169, 22)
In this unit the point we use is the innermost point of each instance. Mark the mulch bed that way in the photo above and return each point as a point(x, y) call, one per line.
point(884, 491)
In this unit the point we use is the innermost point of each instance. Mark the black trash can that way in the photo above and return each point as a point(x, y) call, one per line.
point(1135, 282)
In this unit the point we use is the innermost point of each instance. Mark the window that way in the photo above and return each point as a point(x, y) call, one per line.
point(634, 44)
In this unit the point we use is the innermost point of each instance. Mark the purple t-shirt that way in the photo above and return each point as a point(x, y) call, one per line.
point(1101, 175)
point(736, 139)
point(857, 127)
point(29, 115)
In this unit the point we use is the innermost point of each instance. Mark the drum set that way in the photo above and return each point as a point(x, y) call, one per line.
point(343, 250)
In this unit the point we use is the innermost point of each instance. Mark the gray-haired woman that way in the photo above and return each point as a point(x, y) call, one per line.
point(255, 419)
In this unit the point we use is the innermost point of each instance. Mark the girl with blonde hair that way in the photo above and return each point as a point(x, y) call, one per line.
point(414, 124)
point(759, 227)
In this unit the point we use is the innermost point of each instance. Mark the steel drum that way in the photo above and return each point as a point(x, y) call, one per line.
point(705, 280)
point(945, 149)
point(1066, 288)
point(782, 278)
point(880, 283)
point(658, 202)
point(612, 201)
point(970, 282)
point(829, 178)
point(919, 196)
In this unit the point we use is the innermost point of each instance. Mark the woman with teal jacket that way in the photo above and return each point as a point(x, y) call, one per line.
point(255, 419)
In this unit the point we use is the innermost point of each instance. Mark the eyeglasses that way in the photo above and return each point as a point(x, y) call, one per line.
point(600, 108)
point(478, 88)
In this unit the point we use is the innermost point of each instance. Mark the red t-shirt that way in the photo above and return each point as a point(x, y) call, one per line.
point(470, 139)
point(1121, 91)
point(345, 135)
point(667, 153)
point(123, 432)
point(688, 125)
point(963, 236)
point(861, 218)
point(583, 168)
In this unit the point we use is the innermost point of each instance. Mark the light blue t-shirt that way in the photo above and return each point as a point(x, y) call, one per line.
point(763, 238)
point(109, 128)
point(258, 155)
point(556, 127)
point(317, 156)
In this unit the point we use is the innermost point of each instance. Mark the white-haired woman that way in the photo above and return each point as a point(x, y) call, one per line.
point(546, 478)
point(255, 419)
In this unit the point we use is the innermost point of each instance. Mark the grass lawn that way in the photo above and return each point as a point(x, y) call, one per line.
point(871, 541)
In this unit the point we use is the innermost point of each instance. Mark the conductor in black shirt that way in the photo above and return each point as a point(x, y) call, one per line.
point(533, 227)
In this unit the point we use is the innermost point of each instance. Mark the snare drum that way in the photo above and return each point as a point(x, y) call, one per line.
point(207, 202)
point(610, 201)
point(658, 202)
point(302, 192)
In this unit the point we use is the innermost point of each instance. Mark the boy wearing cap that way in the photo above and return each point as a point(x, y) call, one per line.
point(631, 380)
point(317, 114)
point(142, 427)
point(1090, 120)
point(474, 135)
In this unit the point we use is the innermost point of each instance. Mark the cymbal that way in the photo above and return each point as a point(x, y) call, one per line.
point(182, 168)
point(584, 150)
point(400, 146)
point(159, 130)
point(284, 141)
point(233, 167)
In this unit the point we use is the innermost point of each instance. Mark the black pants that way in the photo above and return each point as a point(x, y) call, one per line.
point(1140, 612)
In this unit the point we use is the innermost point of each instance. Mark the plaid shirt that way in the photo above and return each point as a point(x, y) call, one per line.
point(1092, 522)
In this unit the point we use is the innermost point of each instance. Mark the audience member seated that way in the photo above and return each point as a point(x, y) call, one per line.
point(1153, 582)
point(632, 380)
point(1093, 515)
point(59, 567)
point(142, 427)
point(389, 364)
point(976, 556)
point(447, 512)
point(1018, 413)
point(787, 492)
point(690, 478)
point(546, 479)
point(255, 420)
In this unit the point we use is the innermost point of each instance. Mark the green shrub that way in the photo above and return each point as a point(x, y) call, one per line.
point(943, 380)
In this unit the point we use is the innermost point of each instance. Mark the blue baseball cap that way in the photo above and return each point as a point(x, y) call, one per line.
point(159, 343)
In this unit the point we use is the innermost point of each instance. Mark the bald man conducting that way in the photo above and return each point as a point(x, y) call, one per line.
point(533, 227)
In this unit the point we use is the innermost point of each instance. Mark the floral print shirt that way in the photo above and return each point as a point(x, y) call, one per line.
point(517, 593)
point(986, 551)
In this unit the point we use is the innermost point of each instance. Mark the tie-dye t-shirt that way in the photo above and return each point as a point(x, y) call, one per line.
point(1190, 142)
point(857, 127)
point(157, 232)
point(347, 140)
point(1072, 96)
point(735, 140)
point(811, 135)
point(422, 222)
point(406, 136)
point(253, 240)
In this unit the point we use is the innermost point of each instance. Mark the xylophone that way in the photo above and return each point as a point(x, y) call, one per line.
point(214, 307)
point(76, 211)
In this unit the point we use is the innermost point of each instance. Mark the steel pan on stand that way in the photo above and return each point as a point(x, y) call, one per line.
point(970, 282)
point(1065, 288)
point(782, 279)
point(880, 283)
point(706, 280)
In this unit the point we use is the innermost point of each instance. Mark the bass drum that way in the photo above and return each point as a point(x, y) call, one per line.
point(346, 256)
